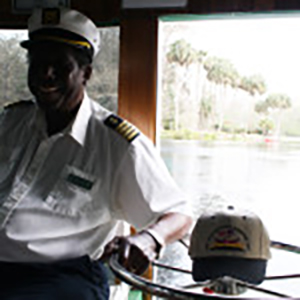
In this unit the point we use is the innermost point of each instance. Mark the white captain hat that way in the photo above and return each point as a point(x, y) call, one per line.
point(63, 25)
point(229, 242)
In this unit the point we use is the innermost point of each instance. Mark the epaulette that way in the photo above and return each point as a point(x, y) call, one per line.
point(123, 127)
point(17, 104)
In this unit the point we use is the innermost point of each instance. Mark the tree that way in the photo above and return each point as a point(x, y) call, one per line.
point(223, 74)
point(206, 110)
point(199, 60)
point(103, 86)
point(182, 55)
point(274, 105)
point(266, 125)
point(255, 86)
point(277, 103)
point(261, 107)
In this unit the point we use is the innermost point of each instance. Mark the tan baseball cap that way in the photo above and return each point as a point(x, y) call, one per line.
point(63, 25)
point(229, 242)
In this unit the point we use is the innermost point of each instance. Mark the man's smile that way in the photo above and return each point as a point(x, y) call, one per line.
point(48, 89)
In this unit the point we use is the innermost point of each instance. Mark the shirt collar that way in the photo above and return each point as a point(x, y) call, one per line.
point(79, 126)
point(77, 129)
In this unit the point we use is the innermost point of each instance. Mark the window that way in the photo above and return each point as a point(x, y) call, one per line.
point(229, 121)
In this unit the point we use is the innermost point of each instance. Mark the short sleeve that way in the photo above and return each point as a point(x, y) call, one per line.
point(143, 188)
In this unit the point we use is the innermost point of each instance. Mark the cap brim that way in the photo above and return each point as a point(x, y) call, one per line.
point(29, 43)
point(248, 270)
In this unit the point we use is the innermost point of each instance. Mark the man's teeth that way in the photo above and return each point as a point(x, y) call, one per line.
point(48, 89)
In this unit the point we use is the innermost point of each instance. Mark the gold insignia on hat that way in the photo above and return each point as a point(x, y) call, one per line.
point(123, 127)
point(51, 16)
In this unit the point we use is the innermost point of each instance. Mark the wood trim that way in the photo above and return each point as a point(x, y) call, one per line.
point(264, 5)
point(138, 73)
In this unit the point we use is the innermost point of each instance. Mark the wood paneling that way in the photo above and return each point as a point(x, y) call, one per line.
point(137, 77)
point(109, 11)
point(105, 11)
point(215, 6)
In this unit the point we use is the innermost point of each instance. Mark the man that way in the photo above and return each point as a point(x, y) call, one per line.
point(71, 171)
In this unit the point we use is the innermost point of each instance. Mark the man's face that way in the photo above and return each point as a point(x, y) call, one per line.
point(55, 77)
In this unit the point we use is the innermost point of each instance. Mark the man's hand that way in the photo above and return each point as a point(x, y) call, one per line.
point(135, 252)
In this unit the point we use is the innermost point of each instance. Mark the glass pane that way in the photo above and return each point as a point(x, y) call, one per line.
point(229, 123)
point(103, 86)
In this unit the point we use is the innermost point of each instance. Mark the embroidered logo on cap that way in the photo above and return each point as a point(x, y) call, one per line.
point(124, 128)
point(228, 238)
point(50, 16)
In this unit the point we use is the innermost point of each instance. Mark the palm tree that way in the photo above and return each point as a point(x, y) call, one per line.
point(275, 103)
point(182, 55)
point(223, 74)
point(255, 86)
point(199, 59)
point(278, 102)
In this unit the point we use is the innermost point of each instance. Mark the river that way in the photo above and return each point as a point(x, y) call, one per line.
point(263, 177)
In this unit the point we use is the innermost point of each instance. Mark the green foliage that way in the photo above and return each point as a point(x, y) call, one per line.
point(254, 84)
point(261, 107)
point(229, 127)
point(221, 71)
point(182, 53)
point(209, 136)
point(184, 134)
point(278, 101)
point(266, 125)
point(274, 101)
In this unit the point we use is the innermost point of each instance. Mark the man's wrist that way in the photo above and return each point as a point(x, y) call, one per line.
point(160, 243)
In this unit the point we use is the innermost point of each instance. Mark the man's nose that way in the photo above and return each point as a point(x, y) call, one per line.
point(49, 72)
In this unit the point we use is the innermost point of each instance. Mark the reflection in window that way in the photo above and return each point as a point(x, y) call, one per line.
point(103, 86)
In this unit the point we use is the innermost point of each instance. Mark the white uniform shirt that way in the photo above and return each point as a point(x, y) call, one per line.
point(63, 196)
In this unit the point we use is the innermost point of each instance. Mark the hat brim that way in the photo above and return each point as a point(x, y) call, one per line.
point(248, 270)
point(60, 36)
point(29, 43)
point(25, 44)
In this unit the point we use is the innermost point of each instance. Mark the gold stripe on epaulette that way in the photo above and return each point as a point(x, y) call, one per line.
point(132, 135)
point(128, 131)
point(123, 127)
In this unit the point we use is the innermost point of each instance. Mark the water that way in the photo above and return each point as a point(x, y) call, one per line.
point(262, 177)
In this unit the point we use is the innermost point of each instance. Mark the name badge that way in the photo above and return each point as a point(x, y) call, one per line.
point(80, 182)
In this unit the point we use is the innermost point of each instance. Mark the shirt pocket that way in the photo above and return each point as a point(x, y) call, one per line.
point(72, 193)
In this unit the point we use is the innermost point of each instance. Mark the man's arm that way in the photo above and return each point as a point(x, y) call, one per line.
point(137, 251)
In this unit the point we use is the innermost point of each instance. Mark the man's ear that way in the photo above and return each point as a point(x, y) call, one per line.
point(88, 70)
